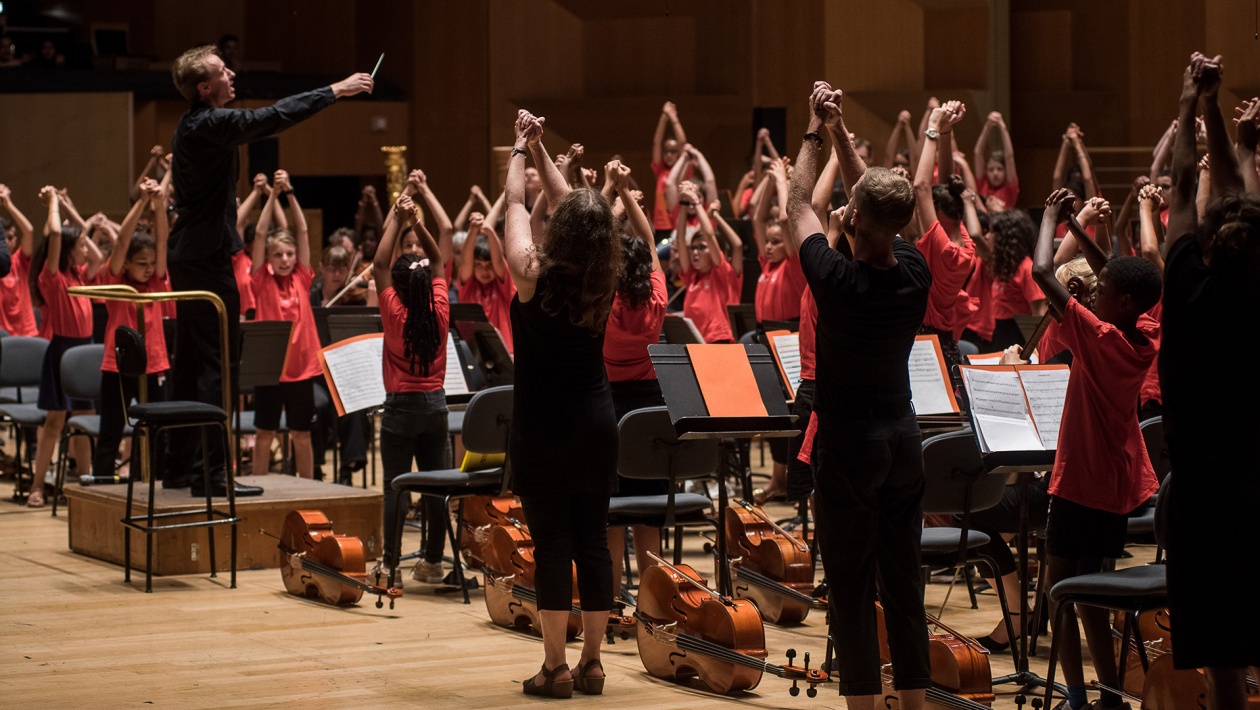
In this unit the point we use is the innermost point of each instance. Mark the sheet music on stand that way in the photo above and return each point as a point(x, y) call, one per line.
point(930, 389)
point(1016, 412)
point(471, 327)
point(455, 383)
point(352, 369)
point(786, 347)
point(679, 330)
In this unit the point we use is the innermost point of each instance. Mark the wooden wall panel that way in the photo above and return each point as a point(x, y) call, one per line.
point(1041, 50)
point(181, 26)
point(1163, 37)
point(79, 141)
point(956, 47)
point(642, 56)
point(859, 35)
point(1229, 30)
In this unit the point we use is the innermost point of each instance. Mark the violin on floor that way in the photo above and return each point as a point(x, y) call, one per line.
point(511, 600)
point(961, 676)
point(770, 566)
point(481, 513)
point(317, 563)
point(688, 631)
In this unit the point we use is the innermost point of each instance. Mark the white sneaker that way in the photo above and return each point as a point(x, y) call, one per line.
point(380, 576)
point(428, 572)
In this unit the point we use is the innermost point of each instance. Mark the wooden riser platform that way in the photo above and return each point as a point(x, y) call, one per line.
point(95, 511)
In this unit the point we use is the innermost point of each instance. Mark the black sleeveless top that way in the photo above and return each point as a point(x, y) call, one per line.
point(564, 432)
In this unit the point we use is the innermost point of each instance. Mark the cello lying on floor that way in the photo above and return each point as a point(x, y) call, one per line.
point(687, 630)
point(960, 669)
point(317, 563)
point(770, 566)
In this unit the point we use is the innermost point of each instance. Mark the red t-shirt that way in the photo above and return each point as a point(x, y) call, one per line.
point(289, 298)
point(705, 302)
point(951, 265)
point(630, 331)
point(1015, 297)
point(64, 314)
point(809, 319)
point(242, 264)
point(980, 292)
point(395, 366)
point(1102, 461)
point(17, 315)
point(495, 299)
point(1007, 193)
point(1150, 386)
point(1051, 342)
point(665, 218)
point(779, 289)
point(121, 313)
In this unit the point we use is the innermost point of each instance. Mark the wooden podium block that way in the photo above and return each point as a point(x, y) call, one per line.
point(95, 530)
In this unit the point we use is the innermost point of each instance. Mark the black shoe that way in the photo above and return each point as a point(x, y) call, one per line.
point(219, 490)
point(993, 646)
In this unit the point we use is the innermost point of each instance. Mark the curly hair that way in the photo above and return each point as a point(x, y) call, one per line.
point(1137, 278)
point(580, 262)
point(635, 284)
point(948, 198)
point(70, 235)
point(414, 283)
point(1230, 233)
point(1013, 239)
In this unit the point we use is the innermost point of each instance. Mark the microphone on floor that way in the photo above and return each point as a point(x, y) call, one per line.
point(87, 480)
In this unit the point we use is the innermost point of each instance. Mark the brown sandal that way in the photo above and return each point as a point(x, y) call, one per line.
point(590, 686)
point(551, 687)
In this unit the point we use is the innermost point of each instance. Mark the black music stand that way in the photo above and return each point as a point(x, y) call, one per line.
point(679, 330)
point(691, 418)
point(321, 319)
point(470, 326)
point(743, 319)
point(264, 347)
point(343, 323)
point(1024, 464)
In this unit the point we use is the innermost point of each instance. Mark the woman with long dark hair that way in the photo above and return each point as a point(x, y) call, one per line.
point(563, 448)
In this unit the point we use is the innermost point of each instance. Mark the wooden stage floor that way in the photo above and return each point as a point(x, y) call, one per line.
point(74, 635)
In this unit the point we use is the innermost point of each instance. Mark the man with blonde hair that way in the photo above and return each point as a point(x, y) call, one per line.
point(205, 166)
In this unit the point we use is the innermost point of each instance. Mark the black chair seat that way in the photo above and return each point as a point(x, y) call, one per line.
point(176, 412)
point(685, 504)
point(945, 540)
point(1130, 588)
point(23, 414)
point(1142, 523)
point(448, 482)
point(90, 424)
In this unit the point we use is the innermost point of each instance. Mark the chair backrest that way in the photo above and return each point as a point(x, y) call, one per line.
point(130, 355)
point(81, 371)
point(21, 361)
point(649, 448)
point(966, 347)
point(488, 421)
point(951, 466)
point(1161, 512)
point(1156, 447)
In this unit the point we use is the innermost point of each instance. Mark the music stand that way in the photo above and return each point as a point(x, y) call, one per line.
point(343, 323)
point(688, 397)
point(470, 325)
point(679, 330)
point(264, 349)
point(321, 319)
point(1024, 464)
point(743, 319)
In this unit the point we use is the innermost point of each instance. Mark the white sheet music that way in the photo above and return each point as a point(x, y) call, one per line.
point(1046, 390)
point(993, 359)
point(929, 387)
point(455, 382)
point(997, 404)
point(788, 348)
point(355, 367)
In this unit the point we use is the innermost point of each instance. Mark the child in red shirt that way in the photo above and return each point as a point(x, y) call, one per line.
point(139, 261)
point(17, 315)
point(1006, 276)
point(634, 323)
point(415, 313)
point(665, 153)
point(67, 258)
point(483, 276)
point(782, 281)
point(996, 180)
point(705, 271)
point(282, 278)
point(1102, 471)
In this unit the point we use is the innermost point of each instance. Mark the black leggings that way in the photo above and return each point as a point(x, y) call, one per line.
point(570, 529)
point(414, 428)
point(113, 411)
point(868, 475)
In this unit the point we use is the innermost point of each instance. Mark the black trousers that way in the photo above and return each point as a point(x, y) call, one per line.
point(570, 529)
point(414, 428)
point(800, 478)
point(198, 357)
point(868, 474)
point(350, 430)
point(116, 392)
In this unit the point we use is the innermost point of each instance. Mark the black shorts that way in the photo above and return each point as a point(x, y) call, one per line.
point(1074, 531)
point(297, 399)
point(52, 396)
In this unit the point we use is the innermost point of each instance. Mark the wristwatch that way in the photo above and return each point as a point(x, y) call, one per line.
point(932, 133)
